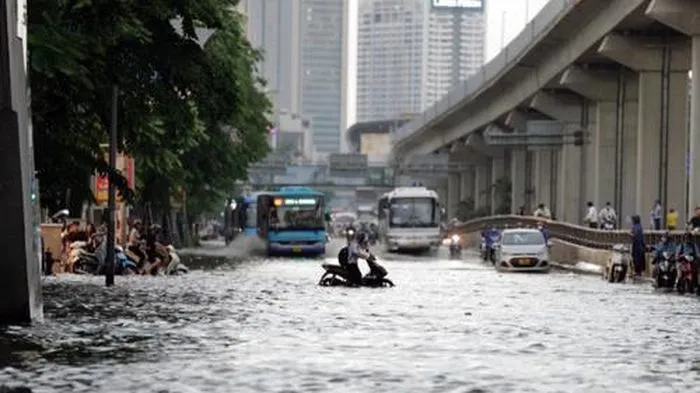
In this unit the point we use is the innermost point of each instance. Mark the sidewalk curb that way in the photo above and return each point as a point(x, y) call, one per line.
point(573, 269)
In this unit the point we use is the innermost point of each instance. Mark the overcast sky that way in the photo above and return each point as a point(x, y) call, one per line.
point(514, 12)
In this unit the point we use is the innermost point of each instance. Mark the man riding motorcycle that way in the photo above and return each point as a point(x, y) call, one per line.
point(688, 247)
point(358, 248)
point(665, 245)
point(489, 236)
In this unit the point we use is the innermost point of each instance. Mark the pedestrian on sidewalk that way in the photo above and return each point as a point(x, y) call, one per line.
point(638, 247)
point(607, 217)
point(672, 219)
point(542, 212)
point(591, 217)
point(656, 212)
point(694, 222)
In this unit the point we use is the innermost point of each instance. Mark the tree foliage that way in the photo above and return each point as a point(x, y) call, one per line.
point(192, 117)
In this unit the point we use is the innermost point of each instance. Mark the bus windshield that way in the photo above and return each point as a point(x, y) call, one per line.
point(413, 212)
point(304, 212)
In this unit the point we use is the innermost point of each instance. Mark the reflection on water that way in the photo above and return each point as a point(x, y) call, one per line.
point(264, 326)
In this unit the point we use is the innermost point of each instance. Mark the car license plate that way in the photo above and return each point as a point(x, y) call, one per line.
point(523, 262)
point(296, 249)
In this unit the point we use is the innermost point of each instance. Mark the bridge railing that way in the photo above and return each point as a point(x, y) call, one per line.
point(576, 234)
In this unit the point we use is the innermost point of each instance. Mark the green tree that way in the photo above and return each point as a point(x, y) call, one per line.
point(193, 118)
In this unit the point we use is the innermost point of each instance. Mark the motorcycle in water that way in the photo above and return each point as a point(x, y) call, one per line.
point(455, 247)
point(123, 266)
point(336, 275)
point(488, 253)
point(617, 266)
point(685, 274)
point(175, 265)
point(666, 274)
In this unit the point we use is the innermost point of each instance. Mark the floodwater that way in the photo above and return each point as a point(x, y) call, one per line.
point(241, 324)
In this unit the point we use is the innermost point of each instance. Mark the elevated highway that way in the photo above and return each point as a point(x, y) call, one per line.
point(592, 101)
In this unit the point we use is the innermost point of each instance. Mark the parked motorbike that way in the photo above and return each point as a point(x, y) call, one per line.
point(336, 275)
point(124, 266)
point(175, 265)
point(685, 274)
point(617, 266)
point(455, 246)
point(666, 275)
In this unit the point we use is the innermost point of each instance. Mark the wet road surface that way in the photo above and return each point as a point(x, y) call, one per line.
point(264, 326)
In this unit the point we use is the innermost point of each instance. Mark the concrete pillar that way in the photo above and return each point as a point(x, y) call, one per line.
point(650, 168)
point(482, 186)
point(518, 176)
point(453, 186)
point(694, 162)
point(604, 153)
point(498, 171)
point(628, 179)
point(466, 188)
point(543, 177)
point(569, 203)
point(20, 285)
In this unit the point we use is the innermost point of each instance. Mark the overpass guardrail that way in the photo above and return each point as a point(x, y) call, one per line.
point(572, 233)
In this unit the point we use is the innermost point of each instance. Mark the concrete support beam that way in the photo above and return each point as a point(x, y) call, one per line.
point(682, 15)
point(561, 107)
point(518, 176)
point(516, 121)
point(600, 86)
point(475, 141)
point(498, 171)
point(643, 54)
point(482, 186)
point(20, 285)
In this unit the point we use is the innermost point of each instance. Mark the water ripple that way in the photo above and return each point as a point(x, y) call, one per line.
point(264, 326)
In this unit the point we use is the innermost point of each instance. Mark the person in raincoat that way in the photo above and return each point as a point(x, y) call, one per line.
point(638, 247)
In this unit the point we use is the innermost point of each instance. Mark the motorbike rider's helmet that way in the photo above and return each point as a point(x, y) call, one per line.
point(362, 238)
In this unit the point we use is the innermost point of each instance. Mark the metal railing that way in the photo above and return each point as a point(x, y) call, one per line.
point(576, 234)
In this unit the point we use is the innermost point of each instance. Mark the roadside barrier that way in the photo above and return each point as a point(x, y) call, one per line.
point(576, 234)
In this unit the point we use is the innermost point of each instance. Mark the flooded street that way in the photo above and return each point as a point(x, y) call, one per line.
point(265, 326)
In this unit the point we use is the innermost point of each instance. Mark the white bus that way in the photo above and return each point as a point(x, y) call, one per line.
point(409, 219)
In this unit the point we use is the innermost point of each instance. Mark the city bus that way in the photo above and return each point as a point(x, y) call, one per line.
point(292, 221)
point(409, 219)
point(248, 213)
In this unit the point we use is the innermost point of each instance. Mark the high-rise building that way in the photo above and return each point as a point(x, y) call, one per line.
point(304, 44)
point(412, 52)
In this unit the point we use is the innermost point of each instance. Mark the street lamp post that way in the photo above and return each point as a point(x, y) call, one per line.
point(203, 35)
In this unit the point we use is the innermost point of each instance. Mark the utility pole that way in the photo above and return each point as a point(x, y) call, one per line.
point(111, 193)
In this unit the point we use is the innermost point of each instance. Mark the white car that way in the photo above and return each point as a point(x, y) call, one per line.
point(522, 250)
